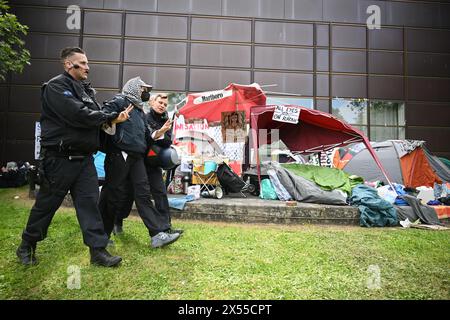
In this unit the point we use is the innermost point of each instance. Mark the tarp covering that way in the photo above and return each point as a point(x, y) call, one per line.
point(303, 190)
point(210, 105)
point(374, 211)
point(315, 131)
point(326, 178)
point(415, 210)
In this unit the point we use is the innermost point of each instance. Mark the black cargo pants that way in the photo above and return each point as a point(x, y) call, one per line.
point(60, 175)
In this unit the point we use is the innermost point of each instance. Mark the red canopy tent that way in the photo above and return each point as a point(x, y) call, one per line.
point(210, 105)
point(315, 131)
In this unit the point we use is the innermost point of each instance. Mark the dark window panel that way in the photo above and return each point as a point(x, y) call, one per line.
point(221, 30)
point(162, 78)
point(294, 83)
point(422, 64)
point(348, 86)
point(433, 136)
point(253, 8)
point(284, 33)
point(20, 150)
point(155, 52)
point(211, 7)
point(220, 55)
point(21, 126)
point(348, 61)
point(428, 89)
point(303, 10)
point(38, 72)
point(208, 79)
point(427, 114)
point(347, 36)
point(104, 75)
point(284, 58)
point(386, 38)
point(386, 88)
point(322, 85)
point(131, 5)
point(3, 98)
point(428, 40)
point(103, 23)
point(44, 20)
point(386, 62)
point(32, 103)
point(48, 46)
point(323, 105)
point(413, 14)
point(102, 49)
point(322, 60)
point(139, 25)
point(322, 35)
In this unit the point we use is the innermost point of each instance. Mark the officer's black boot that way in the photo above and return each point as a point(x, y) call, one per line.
point(101, 257)
point(25, 253)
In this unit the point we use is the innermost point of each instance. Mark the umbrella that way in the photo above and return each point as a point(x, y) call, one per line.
point(210, 105)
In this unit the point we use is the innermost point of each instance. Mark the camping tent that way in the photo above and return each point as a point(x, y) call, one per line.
point(408, 162)
point(210, 105)
point(316, 131)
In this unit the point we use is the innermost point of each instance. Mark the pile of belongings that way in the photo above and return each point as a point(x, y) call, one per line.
point(14, 174)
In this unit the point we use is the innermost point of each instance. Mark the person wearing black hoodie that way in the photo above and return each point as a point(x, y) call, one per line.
point(124, 165)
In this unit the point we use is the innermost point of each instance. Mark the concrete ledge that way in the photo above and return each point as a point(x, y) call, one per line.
point(255, 210)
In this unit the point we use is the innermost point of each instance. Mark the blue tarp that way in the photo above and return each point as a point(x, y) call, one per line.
point(374, 211)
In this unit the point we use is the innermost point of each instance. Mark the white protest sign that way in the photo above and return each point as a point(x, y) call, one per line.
point(37, 140)
point(286, 114)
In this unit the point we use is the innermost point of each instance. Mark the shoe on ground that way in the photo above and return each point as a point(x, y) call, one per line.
point(172, 231)
point(164, 239)
point(101, 257)
point(25, 252)
point(117, 230)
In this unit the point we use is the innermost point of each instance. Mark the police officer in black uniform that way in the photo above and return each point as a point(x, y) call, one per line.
point(70, 122)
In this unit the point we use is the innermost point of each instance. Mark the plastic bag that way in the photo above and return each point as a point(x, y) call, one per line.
point(267, 190)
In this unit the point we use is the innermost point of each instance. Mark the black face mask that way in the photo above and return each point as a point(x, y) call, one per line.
point(145, 96)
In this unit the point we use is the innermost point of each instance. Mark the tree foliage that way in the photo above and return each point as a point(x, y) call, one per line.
point(13, 55)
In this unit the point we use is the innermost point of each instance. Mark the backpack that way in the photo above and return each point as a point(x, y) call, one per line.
point(229, 179)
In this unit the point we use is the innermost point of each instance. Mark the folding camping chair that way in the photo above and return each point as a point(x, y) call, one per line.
point(206, 176)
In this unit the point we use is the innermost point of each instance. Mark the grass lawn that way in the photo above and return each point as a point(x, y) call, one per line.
point(227, 261)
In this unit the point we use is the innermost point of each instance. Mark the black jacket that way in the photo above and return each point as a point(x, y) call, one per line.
point(154, 122)
point(131, 135)
point(71, 117)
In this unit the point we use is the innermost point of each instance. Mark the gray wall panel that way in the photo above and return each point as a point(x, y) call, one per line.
point(348, 86)
point(284, 58)
point(139, 25)
point(386, 62)
point(102, 49)
point(284, 33)
point(49, 46)
point(221, 30)
point(207, 79)
point(386, 38)
point(348, 36)
point(137, 5)
point(386, 88)
point(429, 89)
point(103, 23)
point(427, 114)
point(162, 78)
point(253, 8)
point(303, 9)
point(104, 75)
point(348, 61)
point(220, 55)
point(141, 51)
point(32, 103)
point(429, 64)
point(211, 7)
point(295, 83)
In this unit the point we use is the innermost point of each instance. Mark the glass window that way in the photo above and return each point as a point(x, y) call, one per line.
point(279, 100)
point(386, 121)
point(352, 111)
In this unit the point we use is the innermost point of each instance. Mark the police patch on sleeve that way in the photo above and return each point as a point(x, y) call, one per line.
point(68, 93)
